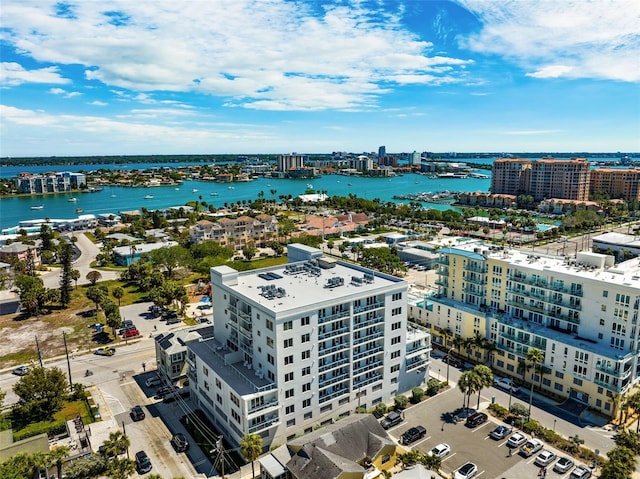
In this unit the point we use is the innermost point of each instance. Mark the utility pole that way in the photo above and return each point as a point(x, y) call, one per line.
point(39, 352)
point(66, 351)
point(124, 433)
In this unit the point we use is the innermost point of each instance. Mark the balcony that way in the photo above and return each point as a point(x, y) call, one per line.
point(333, 317)
point(367, 367)
point(330, 350)
point(271, 403)
point(323, 383)
point(368, 337)
point(443, 271)
point(368, 307)
point(271, 421)
point(368, 352)
point(442, 282)
point(606, 385)
point(332, 364)
point(443, 260)
point(475, 280)
point(474, 290)
point(333, 332)
point(368, 322)
point(475, 268)
point(418, 361)
point(328, 396)
point(417, 349)
point(360, 383)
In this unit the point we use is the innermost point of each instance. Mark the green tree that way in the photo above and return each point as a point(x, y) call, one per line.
point(468, 383)
point(118, 443)
point(277, 247)
point(485, 378)
point(628, 439)
point(118, 293)
point(249, 250)
point(93, 277)
point(120, 468)
point(57, 457)
point(112, 314)
point(381, 259)
point(46, 235)
point(31, 293)
point(41, 392)
point(96, 294)
point(170, 258)
point(401, 401)
point(330, 245)
point(66, 254)
point(74, 274)
point(622, 463)
point(251, 448)
point(535, 357)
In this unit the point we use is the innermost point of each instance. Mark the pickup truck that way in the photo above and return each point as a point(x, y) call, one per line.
point(392, 419)
point(531, 447)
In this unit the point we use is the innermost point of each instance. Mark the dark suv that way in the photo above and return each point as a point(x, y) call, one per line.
point(179, 442)
point(477, 419)
point(143, 463)
point(392, 419)
point(413, 434)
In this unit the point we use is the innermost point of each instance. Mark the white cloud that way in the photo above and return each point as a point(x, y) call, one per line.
point(570, 38)
point(64, 93)
point(258, 54)
point(98, 103)
point(531, 132)
point(13, 74)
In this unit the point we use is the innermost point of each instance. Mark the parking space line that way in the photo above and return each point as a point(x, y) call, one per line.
point(480, 473)
point(449, 456)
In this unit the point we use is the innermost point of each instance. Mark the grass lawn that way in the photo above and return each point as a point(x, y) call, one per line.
point(68, 412)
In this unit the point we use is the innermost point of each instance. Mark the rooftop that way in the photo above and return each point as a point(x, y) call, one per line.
point(296, 285)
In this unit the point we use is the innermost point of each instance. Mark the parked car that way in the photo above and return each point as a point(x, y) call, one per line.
point(463, 414)
point(132, 333)
point(500, 432)
point(441, 450)
point(20, 370)
point(476, 419)
point(455, 362)
point(179, 442)
point(467, 471)
point(545, 458)
point(153, 381)
point(143, 463)
point(531, 447)
point(507, 384)
point(105, 351)
point(137, 413)
point(563, 465)
point(580, 472)
point(163, 391)
point(413, 434)
point(516, 440)
point(392, 419)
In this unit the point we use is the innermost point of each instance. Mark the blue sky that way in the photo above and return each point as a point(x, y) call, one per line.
point(271, 76)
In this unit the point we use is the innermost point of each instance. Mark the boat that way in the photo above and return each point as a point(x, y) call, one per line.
point(230, 187)
point(215, 193)
point(177, 189)
point(309, 186)
point(148, 197)
point(79, 210)
point(113, 196)
point(73, 200)
point(478, 175)
point(195, 190)
point(39, 207)
point(453, 175)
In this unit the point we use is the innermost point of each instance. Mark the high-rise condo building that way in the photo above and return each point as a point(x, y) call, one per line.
point(616, 182)
point(510, 176)
point(581, 311)
point(301, 345)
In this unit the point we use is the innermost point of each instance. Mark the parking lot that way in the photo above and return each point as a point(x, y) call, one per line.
point(468, 444)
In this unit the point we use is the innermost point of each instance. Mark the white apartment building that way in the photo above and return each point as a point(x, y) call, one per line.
point(301, 345)
point(581, 312)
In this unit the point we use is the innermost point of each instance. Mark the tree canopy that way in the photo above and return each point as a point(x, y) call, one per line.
point(41, 392)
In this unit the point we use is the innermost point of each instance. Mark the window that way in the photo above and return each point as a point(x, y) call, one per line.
point(395, 354)
point(218, 384)
point(288, 343)
point(288, 377)
point(234, 399)
point(270, 342)
point(396, 297)
point(395, 340)
point(601, 322)
point(306, 371)
point(305, 338)
point(306, 387)
point(306, 354)
point(605, 294)
point(288, 360)
point(326, 408)
point(603, 307)
point(395, 326)
point(396, 311)
point(308, 415)
point(269, 325)
point(270, 359)
point(395, 368)
point(305, 321)
point(291, 423)
point(306, 403)
point(287, 325)
point(219, 398)
point(386, 458)
point(289, 393)
point(577, 382)
point(290, 409)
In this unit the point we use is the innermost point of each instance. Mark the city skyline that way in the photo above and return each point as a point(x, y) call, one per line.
point(136, 78)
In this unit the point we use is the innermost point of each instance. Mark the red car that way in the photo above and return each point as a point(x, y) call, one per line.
point(131, 333)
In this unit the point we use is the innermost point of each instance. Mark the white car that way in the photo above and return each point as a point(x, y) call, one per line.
point(516, 440)
point(545, 458)
point(506, 383)
point(441, 450)
point(105, 351)
point(531, 447)
point(467, 471)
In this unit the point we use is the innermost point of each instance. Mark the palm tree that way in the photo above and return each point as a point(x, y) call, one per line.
point(490, 348)
point(75, 276)
point(485, 378)
point(251, 448)
point(468, 384)
point(535, 357)
point(118, 293)
point(116, 444)
point(633, 402)
point(57, 456)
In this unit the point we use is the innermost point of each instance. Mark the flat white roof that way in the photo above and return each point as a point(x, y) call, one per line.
point(303, 288)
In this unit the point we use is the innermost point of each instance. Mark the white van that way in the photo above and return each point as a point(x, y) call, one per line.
point(153, 381)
